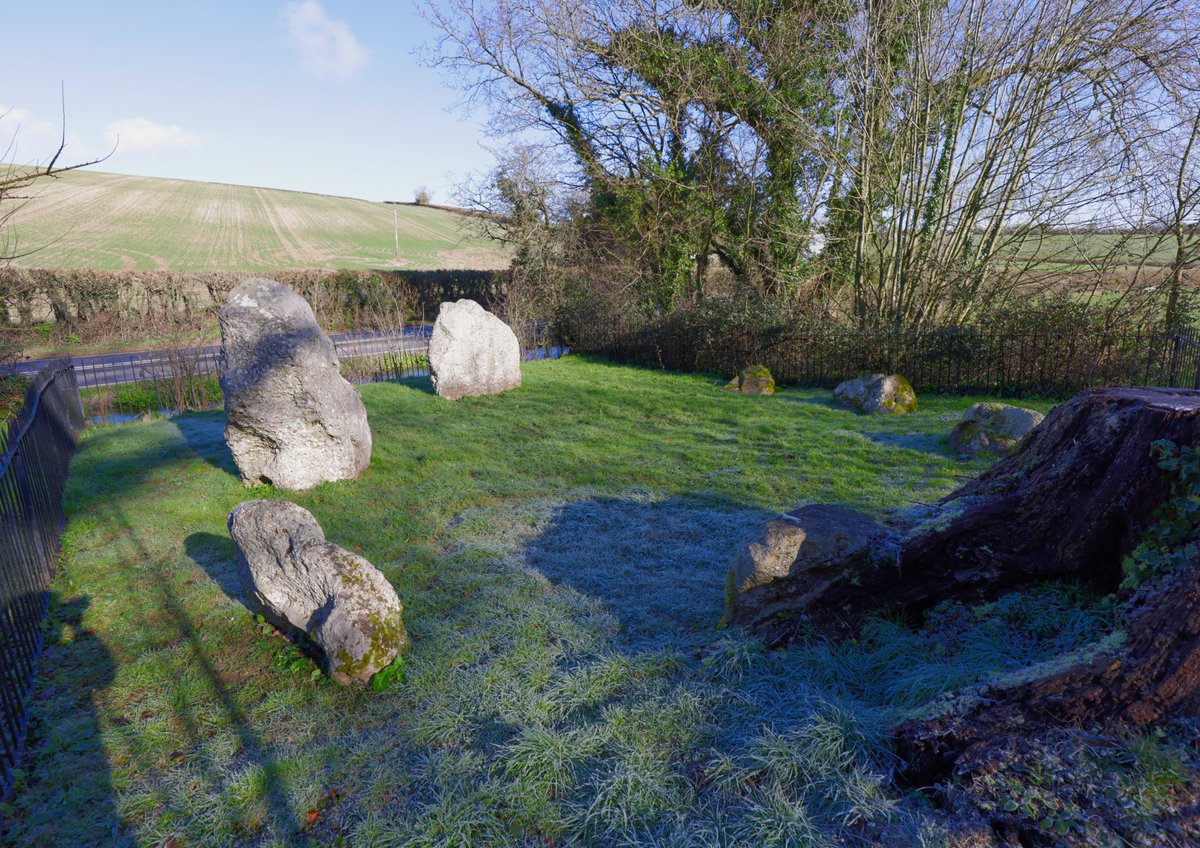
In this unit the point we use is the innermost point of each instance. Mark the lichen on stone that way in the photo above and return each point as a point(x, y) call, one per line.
point(388, 638)
point(752, 380)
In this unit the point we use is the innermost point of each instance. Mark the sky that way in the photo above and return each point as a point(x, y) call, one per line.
point(312, 95)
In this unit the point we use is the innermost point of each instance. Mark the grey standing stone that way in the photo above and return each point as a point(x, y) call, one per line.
point(302, 583)
point(792, 560)
point(291, 419)
point(878, 394)
point(993, 427)
point(472, 352)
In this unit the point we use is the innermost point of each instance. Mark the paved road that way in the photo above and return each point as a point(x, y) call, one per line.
point(109, 369)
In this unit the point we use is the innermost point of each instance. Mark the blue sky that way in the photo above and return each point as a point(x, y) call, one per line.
point(313, 95)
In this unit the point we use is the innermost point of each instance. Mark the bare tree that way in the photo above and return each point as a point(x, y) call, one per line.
point(16, 183)
point(943, 148)
point(16, 180)
point(523, 206)
point(976, 127)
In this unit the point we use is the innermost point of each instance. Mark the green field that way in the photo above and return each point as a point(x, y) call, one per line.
point(1067, 252)
point(88, 219)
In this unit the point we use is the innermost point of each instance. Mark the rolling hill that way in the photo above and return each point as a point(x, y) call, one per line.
point(90, 219)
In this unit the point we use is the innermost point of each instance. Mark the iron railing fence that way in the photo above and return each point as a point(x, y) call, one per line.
point(1185, 359)
point(35, 450)
point(123, 387)
point(962, 359)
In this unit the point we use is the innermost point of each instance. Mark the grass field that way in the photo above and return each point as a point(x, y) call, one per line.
point(560, 551)
point(1077, 249)
point(89, 219)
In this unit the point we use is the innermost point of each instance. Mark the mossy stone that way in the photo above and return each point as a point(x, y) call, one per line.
point(878, 394)
point(752, 380)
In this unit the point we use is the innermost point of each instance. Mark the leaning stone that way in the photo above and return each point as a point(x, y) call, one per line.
point(291, 420)
point(878, 394)
point(304, 584)
point(793, 559)
point(753, 380)
point(993, 427)
point(472, 352)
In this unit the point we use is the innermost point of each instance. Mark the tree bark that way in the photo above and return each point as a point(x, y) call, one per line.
point(1155, 673)
point(1070, 503)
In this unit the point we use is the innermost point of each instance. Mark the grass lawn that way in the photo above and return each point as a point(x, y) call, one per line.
point(561, 553)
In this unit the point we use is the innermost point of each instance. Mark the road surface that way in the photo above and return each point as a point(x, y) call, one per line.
point(110, 369)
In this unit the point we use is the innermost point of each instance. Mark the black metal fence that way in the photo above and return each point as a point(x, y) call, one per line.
point(123, 387)
point(35, 450)
point(952, 359)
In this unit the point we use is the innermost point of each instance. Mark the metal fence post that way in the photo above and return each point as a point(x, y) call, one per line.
point(36, 451)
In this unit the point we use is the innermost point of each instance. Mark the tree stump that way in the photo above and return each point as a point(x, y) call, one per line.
point(1150, 675)
point(1070, 503)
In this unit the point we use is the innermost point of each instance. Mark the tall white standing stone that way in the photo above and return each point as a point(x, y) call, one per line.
point(291, 419)
point(472, 352)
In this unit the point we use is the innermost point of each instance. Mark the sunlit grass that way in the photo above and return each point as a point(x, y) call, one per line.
point(560, 551)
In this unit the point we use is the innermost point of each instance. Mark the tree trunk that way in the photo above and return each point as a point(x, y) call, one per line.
point(1070, 503)
point(1153, 674)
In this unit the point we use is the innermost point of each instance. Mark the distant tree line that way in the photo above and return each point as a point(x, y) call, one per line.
point(899, 163)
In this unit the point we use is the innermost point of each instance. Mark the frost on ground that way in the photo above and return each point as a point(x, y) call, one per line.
point(584, 692)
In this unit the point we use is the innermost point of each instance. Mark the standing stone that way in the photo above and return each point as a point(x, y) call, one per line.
point(752, 380)
point(993, 427)
point(878, 394)
point(472, 352)
point(304, 584)
point(291, 420)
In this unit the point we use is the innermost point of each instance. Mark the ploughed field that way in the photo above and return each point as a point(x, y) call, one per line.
point(90, 219)
point(561, 552)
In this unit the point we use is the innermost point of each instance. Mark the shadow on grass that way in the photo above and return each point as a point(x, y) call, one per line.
point(658, 566)
point(926, 442)
point(189, 716)
point(205, 435)
point(828, 403)
point(421, 384)
point(217, 558)
point(68, 729)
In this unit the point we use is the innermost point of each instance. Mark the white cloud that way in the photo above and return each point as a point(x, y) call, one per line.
point(15, 119)
point(29, 140)
point(19, 125)
point(141, 134)
point(327, 48)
